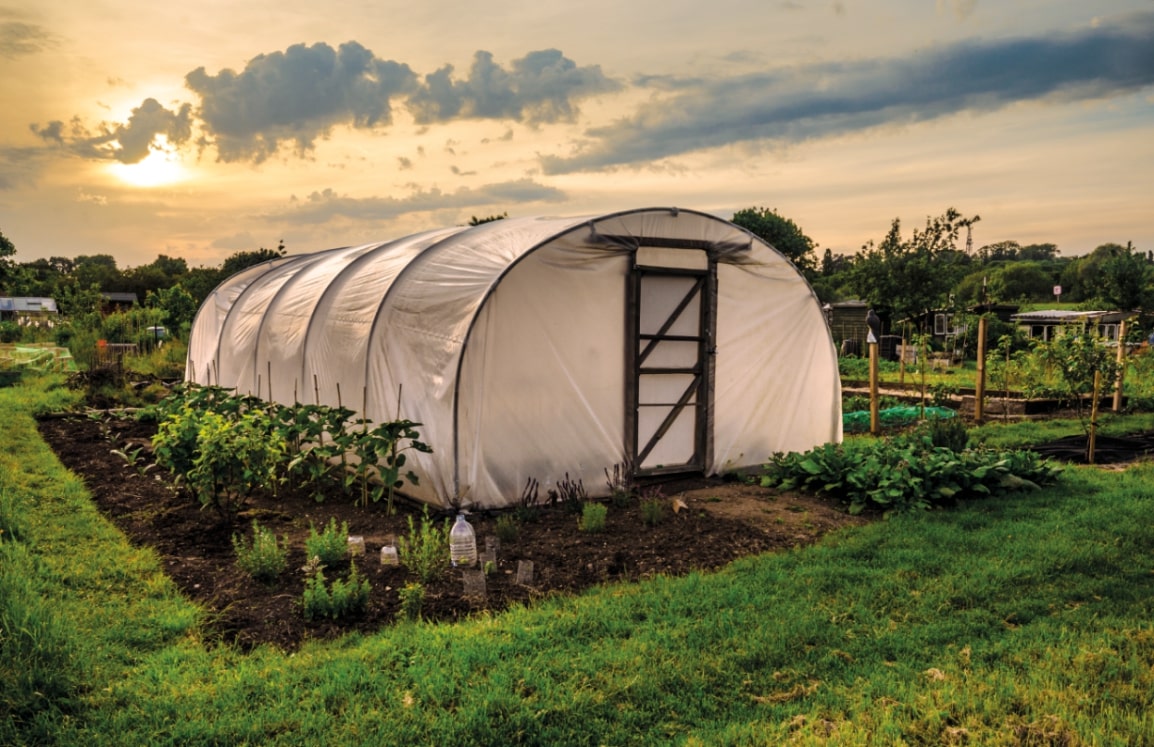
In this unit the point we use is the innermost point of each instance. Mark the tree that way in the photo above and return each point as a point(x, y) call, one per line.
point(245, 259)
point(904, 279)
point(475, 221)
point(7, 266)
point(1125, 279)
point(98, 270)
point(1020, 281)
point(178, 305)
point(782, 234)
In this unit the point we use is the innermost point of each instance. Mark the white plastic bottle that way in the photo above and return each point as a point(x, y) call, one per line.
point(462, 543)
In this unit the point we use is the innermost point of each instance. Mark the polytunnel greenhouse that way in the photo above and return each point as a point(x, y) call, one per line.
point(661, 340)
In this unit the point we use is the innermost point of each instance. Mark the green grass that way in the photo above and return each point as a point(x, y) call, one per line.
point(1010, 435)
point(1025, 620)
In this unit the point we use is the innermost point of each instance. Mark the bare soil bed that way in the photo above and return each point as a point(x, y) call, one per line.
point(720, 522)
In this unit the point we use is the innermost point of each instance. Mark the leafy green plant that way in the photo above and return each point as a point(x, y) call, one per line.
point(424, 550)
point(904, 474)
point(263, 557)
point(233, 459)
point(652, 511)
point(593, 517)
point(331, 544)
point(381, 457)
point(949, 433)
point(344, 598)
point(412, 597)
point(507, 528)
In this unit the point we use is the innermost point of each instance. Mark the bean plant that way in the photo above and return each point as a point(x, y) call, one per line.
point(317, 446)
point(234, 459)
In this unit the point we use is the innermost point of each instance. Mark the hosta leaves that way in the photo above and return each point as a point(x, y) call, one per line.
point(906, 474)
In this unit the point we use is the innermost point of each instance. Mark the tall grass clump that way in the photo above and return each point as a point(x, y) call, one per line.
point(40, 676)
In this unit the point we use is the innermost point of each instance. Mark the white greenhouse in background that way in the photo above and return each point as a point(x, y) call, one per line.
point(665, 339)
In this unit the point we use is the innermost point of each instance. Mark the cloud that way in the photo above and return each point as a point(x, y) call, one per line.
point(296, 96)
point(18, 38)
point(830, 99)
point(963, 9)
point(320, 207)
point(541, 87)
point(129, 142)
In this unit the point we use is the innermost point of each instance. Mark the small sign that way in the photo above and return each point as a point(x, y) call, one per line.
point(1057, 290)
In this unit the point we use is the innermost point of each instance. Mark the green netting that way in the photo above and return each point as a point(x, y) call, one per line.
point(40, 357)
point(893, 417)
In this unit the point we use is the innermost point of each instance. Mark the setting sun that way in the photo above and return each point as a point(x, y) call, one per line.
point(161, 167)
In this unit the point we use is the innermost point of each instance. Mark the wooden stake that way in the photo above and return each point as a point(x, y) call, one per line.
point(1094, 417)
point(1121, 366)
point(980, 384)
point(875, 426)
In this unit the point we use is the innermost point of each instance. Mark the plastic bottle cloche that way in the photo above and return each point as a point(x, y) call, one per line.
point(462, 543)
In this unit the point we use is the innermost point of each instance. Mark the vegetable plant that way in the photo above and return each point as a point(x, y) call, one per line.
point(330, 545)
point(424, 550)
point(263, 557)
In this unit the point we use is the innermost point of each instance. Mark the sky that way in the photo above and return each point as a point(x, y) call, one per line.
point(203, 128)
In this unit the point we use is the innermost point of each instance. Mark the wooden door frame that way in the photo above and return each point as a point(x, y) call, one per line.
point(703, 370)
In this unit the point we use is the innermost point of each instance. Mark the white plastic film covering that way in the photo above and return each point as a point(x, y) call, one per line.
point(543, 380)
point(207, 327)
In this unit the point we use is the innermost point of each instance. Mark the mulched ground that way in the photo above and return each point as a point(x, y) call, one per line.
point(719, 523)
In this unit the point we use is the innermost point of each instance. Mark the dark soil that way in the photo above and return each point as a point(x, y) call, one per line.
point(716, 523)
point(1107, 449)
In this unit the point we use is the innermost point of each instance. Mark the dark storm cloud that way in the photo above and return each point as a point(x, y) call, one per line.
point(18, 38)
point(129, 142)
point(291, 99)
point(540, 87)
point(296, 96)
point(815, 101)
point(320, 207)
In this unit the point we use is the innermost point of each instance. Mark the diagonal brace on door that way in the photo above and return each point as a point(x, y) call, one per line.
point(669, 419)
point(668, 324)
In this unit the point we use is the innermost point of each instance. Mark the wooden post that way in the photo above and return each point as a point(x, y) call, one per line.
point(902, 363)
point(1121, 366)
point(875, 427)
point(1094, 417)
point(980, 384)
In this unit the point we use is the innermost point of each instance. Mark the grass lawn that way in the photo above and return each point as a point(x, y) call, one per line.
point(1021, 620)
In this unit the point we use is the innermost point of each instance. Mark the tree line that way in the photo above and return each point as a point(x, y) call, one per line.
point(935, 268)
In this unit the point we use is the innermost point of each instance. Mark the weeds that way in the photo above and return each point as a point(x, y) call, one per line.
point(412, 597)
point(652, 511)
point(569, 494)
point(507, 528)
point(620, 484)
point(528, 504)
